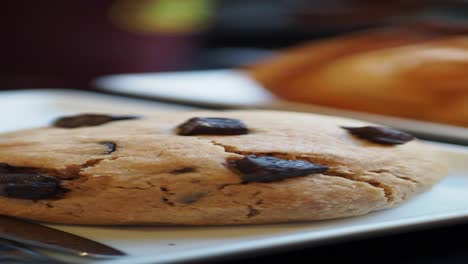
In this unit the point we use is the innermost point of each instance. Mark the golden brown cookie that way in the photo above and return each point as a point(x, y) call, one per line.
point(209, 168)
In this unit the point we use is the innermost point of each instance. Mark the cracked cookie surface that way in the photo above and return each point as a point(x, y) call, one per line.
point(141, 171)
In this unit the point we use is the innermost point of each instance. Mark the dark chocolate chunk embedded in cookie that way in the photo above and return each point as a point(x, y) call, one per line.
point(111, 146)
point(268, 169)
point(33, 191)
point(212, 126)
point(382, 135)
point(89, 120)
point(192, 197)
point(183, 170)
point(29, 186)
point(7, 168)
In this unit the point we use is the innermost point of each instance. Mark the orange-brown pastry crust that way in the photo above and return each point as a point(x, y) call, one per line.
point(405, 73)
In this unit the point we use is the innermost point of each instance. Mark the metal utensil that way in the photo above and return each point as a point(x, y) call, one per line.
point(37, 235)
point(11, 252)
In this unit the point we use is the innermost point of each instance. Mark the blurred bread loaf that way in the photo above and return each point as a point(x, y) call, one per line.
point(406, 73)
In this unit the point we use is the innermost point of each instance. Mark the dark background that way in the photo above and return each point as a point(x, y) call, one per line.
point(56, 43)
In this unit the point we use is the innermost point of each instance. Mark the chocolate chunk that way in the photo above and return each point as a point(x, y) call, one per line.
point(29, 186)
point(252, 212)
point(184, 170)
point(7, 168)
point(33, 191)
point(111, 146)
point(212, 126)
point(192, 198)
point(382, 135)
point(268, 169)
point(87, 120)
point(166, 201)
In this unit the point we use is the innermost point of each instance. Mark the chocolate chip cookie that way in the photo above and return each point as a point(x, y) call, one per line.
point(209, 168)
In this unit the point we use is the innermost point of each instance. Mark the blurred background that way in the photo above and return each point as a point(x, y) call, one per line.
point(66, 44)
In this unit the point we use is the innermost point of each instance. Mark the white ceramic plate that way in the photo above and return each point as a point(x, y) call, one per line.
point(230, 88)
point(445, 203)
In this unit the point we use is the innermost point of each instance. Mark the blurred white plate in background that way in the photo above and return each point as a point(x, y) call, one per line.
point(234, 89)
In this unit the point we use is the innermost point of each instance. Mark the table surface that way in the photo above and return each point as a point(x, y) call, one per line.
point(434, 246)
